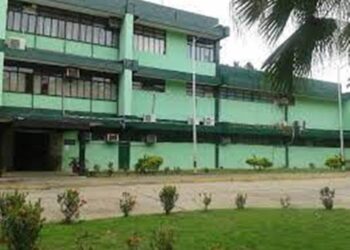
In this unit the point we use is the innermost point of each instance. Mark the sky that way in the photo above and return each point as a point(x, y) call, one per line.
point(247, 46)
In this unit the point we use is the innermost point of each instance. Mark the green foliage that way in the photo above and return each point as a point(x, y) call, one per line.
point(206, 200)
point(21, 221)
point(110, 170)
point(335, 162)
point(177, 170)
point(217, 247)
point(134, 242)
point(168, 197)
point(70, 203)
point(127, 203)
point(259, 163)
point(327, 197)
point(163, 239)
point(206, 170)
point(148, 164)
point(241, 200)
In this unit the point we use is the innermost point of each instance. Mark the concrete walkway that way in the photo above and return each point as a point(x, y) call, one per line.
point(103, 199)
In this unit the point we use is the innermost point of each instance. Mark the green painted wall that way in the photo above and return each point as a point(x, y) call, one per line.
point(174, 104)
point(301, 157)
point(235, 155)
point(3, 11)
point(126, 53)
point(174, 154)
point(253, 113)
point(321, 114)
point(69, 151)
point(176, 57)
point(101, 153)
point(55, 103)
point(346, 114)
point(65, 46)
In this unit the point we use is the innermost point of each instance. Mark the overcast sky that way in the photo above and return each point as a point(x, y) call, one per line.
point(249, 47)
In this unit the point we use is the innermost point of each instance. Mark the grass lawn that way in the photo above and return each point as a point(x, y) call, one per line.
point(251, 229)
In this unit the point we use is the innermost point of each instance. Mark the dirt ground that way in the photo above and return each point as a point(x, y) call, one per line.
point(102, 194)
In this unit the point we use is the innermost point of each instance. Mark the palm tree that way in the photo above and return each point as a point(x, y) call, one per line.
point(321, 30)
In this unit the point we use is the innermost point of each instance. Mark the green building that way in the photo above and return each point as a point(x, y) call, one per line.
point(110, 81)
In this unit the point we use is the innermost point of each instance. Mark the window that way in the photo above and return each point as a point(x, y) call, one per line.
point(149, 84)
point(201, 90)
point(18, 79)
point(149, 40)
point(204, 49)
point(246, 95)
point(49, 80)
point(62, 24)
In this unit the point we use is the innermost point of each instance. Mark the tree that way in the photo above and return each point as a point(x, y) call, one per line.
point(321, 29)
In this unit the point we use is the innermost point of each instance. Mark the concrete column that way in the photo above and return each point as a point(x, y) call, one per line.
point(126, 54)
point(3, 17)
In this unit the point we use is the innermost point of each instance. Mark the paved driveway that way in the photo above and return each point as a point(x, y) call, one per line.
point(103, 199)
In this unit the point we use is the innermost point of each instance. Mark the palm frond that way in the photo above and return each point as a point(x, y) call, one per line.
point(295, 56)
point(344, 39)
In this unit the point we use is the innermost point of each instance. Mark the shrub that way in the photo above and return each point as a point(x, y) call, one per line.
point(96, 170)
point(168, 197)
point(70, 203)
point(285, 201)
point(241, 200)
point(335, 162)
point(312, 166)
point(259, 163)
point(148, 164)
point(206, 200)
point(8, 202)
point(163, 239)
point(177, 170)
point(134, 242)
point(22, 226)
point(327, 197)
point(206, 170)
point(167, 170)
point(110, 170)
point(127, 203)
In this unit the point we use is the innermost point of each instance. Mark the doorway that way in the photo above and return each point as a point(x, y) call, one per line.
point(32, 151)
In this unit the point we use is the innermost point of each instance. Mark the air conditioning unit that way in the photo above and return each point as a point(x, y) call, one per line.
point(16, 43)
point(114, 23)
point(150, 118)
point(112, 138)
point(190, 121)
point(73, 73)
point(151, 139)
point(209, 121)
point(226, 140)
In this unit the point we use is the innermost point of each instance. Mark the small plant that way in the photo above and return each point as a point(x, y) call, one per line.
point(168, 197)
point(206, 170)
point(335, 162)
point(127, 203)
point(163, 239)
point(259, 163)
point(312, 166)
point(134, 242)
point(206, 200)
point(110, 170)
point(167, 170)
point(22, 226)
point(241, 200)
point(96, 170)
point(8, 202)
point(327, 197)
point(285, 201)
point(177, 170)
point(70, 203)
point(148, 164)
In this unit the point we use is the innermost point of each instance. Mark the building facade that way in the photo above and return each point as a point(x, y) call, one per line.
point(108, 82)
